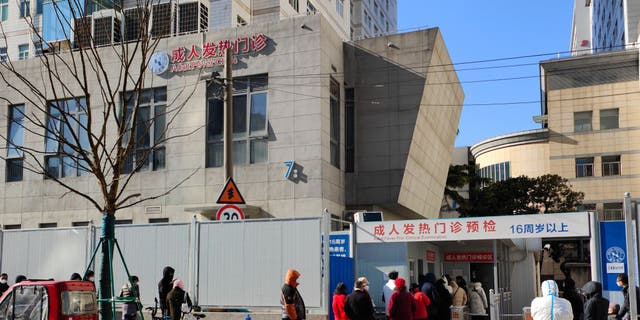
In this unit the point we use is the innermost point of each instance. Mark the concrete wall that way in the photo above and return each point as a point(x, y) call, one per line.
point(404, 137)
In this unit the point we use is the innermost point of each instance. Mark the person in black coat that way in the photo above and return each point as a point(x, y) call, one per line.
point(429, 288)
point(4, 286)
point(623, 281)
point(358, 305)
point(175, 298)
point(577, 304)
point(443, 301)
point(164, 286)
point(596, 307)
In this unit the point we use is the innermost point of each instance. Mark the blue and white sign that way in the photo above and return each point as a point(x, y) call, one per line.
point(340, 245)
point(614, 252)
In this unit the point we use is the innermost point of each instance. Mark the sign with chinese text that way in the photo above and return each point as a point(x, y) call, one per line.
point(340, 245)
point(431, 256)
point(213, 53)
point(468, 257)
point(551, 225)
point(613, 251)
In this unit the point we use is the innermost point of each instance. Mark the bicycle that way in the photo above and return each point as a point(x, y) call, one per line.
point(190, 315)
point(154, 311)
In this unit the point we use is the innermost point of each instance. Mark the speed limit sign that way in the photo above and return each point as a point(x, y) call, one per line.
point(230, 212)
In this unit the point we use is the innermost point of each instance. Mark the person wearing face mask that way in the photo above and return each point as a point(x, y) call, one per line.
point(358, 305)
point(4, 286)
point(623, 282)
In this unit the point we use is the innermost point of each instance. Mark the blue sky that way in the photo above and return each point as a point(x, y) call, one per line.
point(486, 30)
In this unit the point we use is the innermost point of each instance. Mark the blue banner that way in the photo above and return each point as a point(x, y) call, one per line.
point(339, 245)
point(614, 253)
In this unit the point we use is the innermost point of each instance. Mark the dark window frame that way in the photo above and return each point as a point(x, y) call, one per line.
point(584, 167)
point(611, 165)
point(334, 122)
point(579, 121)
point(59, 150)
point(15, 156)
point(607, 120)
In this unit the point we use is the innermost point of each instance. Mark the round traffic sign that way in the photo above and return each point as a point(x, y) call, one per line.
point(230, 212)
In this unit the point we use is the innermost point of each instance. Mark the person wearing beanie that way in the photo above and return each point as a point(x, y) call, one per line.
point(401, 303)
point(175, 298)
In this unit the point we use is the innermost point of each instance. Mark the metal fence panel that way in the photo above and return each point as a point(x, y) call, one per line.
point(147, 249)
point(44, 253)
point(244, 263)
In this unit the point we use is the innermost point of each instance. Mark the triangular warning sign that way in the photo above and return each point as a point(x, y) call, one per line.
point(230, 193)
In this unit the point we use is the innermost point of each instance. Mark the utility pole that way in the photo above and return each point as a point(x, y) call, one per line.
point(631, 256)
point(228, 116)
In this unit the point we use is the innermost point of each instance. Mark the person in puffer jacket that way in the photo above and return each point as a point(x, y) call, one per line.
point(550, 306)
point(596, 307)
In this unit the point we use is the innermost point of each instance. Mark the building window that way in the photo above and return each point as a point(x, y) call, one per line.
point(39, 6)
point(496, 172)
point(608, 119)
point(15, 143)
point(311, 9)
point(158, 220)
point(23, 52)
point(350, 130)
point(249, 121)
point(38, 48)
point(582, 121)
point(334, 126)
point(148, 152)
point(611, 165)
point(124, 221)
point(3, 54)
point(240, 22)
point(584, 167)
point(80, 224)
point(12, 227)
point(4, 10)
point(339, 6)
point(294, 4)
point(48, 225)
point(65, 137)
point(25, 8)
point(613, 211)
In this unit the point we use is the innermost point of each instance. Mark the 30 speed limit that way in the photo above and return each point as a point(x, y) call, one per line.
point(230, 212)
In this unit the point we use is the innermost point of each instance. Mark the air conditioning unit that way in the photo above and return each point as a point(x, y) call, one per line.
point(136, 20)
point(193, 16)
point(164, 19)
point(366, 216)
point(107, 27)
point(82, 27)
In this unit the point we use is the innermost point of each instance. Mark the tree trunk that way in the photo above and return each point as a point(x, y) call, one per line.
point(106, 265)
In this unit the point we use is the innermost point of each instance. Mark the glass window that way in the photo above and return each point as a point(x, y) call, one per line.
point(584, 167)
point(334, 126)
point(66, 138)
point(25, 8)
point(148, 152)
point(15, 143)
point(39, 6)
point(350, 129)
point(608, 119)
point(78, 303)
point(23, 52)
point(249, 121)
point(4, 10)
point(294, 4)
point(311, 9)
point(3, 54)
point(582, 121)
point(611, 165)
point(30, 303)
point(339, 7)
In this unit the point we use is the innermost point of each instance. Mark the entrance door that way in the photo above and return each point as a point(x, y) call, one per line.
point(483, 272)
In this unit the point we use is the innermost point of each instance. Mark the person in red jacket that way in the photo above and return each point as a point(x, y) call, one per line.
point(339, 298)
point(422, 303)
point(401, 303)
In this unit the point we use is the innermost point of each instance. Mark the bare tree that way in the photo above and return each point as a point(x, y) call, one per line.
point(86, 99)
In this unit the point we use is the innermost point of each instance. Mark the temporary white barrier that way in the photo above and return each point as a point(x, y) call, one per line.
point(236, 263)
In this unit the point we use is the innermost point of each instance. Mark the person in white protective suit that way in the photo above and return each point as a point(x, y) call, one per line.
point(550, 306)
